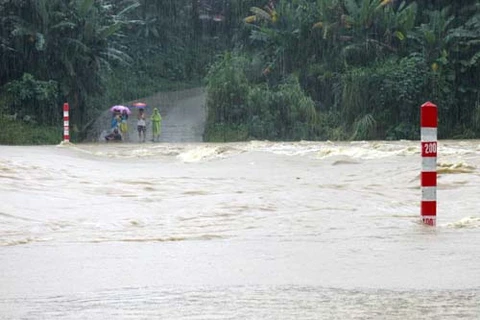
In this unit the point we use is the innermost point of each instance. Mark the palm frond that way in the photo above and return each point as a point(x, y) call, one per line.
point(107, 31)
point(127, 10)
point(261, 13)
point(63, 24)
point(85, 6)
point(364, 127)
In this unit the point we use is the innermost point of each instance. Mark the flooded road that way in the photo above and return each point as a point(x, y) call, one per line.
point(301, 230)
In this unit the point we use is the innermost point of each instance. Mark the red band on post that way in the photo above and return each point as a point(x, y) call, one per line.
point(428, 115)
point(429, 208)
point(429, 179)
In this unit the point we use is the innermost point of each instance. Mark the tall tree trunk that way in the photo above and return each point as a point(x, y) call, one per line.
point(195, 20)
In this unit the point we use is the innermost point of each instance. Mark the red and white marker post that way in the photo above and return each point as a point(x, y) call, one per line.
point(428, 133)
point(66, 123)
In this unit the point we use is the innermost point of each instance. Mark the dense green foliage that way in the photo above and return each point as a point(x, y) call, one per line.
point(366, 65)
point(279, 69)
point(234, 102)
point(93, 54)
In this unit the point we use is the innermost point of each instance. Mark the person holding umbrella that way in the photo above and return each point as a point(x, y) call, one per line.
point(115, 123)
point(141, 125)
point(120, 115)
point(156, 125)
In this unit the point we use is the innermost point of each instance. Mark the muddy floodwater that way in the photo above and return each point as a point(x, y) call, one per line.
point(253, 230)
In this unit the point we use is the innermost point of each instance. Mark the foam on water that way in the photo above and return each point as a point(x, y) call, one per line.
point(208, 152)
point(457, 167)
point(355, 152)
point(283, 148)
point(467, 222)
point(201, 153)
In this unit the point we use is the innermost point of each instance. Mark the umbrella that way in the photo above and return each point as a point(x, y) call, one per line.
point(120, 108)
point(139, 105)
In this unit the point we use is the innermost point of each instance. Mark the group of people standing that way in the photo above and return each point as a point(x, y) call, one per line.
point(119, 126)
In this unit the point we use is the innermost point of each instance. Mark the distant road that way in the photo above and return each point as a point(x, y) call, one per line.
point(185, 121)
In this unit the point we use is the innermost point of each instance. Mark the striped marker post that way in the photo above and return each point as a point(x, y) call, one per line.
point(428, 133)
point(66, 123)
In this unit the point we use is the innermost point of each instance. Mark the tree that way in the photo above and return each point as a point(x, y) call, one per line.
point(67, 42)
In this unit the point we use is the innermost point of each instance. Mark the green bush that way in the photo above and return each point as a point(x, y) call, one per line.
point(222, 133)
point(37, 100)
point(227, 89)
point(383, 101)
point(281, 112)
point(20, 133)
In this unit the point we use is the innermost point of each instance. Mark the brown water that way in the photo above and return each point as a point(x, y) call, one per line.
point(254, 230)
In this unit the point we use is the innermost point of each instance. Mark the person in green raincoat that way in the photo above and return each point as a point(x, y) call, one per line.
point(156, 125)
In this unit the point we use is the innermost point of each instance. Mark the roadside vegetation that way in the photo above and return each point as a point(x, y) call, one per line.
point(277, 70)
point(348, 69)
